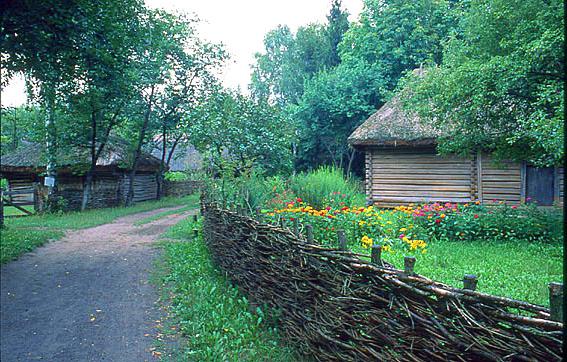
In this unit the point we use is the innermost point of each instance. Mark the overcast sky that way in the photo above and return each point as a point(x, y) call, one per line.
point(239, 25)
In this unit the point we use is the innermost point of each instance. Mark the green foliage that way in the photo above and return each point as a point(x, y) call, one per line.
point(213, 316)
point(500, 85)
point(326, 186)
point(15, 242)
point(176, 176)
point(241, 133)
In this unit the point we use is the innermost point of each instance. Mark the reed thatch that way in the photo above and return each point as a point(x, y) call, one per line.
point(392, 126)
point(30, 156)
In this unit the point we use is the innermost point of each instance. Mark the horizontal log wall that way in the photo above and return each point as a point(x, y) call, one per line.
point(501, 181)
point(416, 176)
point(560, 185)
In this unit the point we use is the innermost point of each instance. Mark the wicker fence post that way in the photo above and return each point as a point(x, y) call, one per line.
point(342, 240)
point(258, 213)
point(556, 301)
point(376, 256)
point(309, 231)
point(295, 227)
point(409, 263)
point(470, 281)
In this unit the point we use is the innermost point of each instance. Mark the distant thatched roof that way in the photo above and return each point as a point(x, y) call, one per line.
point(32, 156)
point(392, 126)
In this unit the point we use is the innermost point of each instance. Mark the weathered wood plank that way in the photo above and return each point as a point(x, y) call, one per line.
point(421, 181)
point(432, 193)
point(436, 188)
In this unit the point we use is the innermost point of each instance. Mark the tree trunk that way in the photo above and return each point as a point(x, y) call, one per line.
point(138, 152)
point(161, 173)
point(87, 188)
point(350, 159)
point(50, 142)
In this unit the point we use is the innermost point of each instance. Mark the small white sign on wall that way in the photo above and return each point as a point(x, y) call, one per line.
point(49, 181)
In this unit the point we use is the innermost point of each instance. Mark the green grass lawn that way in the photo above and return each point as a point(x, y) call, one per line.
point(11, 210)
point(212, 315)
point(519, 270)
point(22, 235)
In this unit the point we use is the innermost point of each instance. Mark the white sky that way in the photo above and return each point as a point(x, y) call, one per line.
point(239, 25)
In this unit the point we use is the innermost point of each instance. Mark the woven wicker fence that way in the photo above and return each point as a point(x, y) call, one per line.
point(334, 306)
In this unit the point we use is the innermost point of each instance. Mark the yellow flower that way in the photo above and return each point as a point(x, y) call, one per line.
point(442, 216)
point(388, 222)
point(362, 222)
point(403, 229)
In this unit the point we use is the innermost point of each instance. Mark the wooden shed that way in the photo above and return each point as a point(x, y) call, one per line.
point(402, 166)
point(25, 168)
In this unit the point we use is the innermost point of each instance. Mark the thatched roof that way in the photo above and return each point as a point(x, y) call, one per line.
point(32, 156)
point(392, 126)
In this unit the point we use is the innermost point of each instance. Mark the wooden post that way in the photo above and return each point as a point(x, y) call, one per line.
point(258, 213)
point(296, 226)
point(309, 230)
point(409, 263)
point(195, 233)
point(342, 240)
point(556, 301)
point(470, 281)
point(195, 218)
point(376, 255)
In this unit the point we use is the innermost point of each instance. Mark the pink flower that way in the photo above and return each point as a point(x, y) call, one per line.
point(328, 208)
point(402, 236)
point(514, 207)
point(438, 221)
point(476, 216)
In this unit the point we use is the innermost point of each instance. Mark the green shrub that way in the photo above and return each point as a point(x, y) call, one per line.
point(326, 187)
point(176, 176)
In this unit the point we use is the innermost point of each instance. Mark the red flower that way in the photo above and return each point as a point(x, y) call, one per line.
point(476, 216)
point(291, 219)
point(328, 208)
point(299, 199)
point(438, 221)
point(514, 207)
point(402, 236)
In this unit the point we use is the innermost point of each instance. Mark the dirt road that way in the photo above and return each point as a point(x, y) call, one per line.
point(85, 297)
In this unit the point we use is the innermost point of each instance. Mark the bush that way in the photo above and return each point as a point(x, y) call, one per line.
point(326, 187)
point(176, 176)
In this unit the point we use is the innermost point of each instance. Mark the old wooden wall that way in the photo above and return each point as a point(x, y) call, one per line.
point(413, 176)
point(500, 181)
point(145, 187)
point(417, 175)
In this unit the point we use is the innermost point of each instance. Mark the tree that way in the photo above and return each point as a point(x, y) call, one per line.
point(39, 39)
point(233, 128)
point(500, 85)
point(337, 25)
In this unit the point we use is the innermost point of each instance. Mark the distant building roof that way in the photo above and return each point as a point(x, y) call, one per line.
point(31, 155)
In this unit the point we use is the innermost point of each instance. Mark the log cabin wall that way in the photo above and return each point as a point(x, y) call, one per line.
point(145, 187)
point(413, 175)
point(500, 181)
point(398, 176)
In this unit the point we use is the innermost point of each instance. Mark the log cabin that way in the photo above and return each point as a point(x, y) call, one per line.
point(402, 167)
point(24, 168)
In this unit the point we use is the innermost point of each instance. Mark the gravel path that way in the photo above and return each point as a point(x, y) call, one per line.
point(85, 297)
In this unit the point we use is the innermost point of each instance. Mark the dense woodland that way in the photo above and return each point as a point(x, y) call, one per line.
point(98, 71)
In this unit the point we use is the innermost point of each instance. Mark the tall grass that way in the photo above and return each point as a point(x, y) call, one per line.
point(326, 186)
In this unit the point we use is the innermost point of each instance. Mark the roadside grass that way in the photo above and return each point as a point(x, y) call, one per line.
point(518, 270)
point(155, 217)
point(24, 234)
point(213, 317)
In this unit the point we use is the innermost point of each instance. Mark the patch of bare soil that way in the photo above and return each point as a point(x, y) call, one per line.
point(85, 297)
